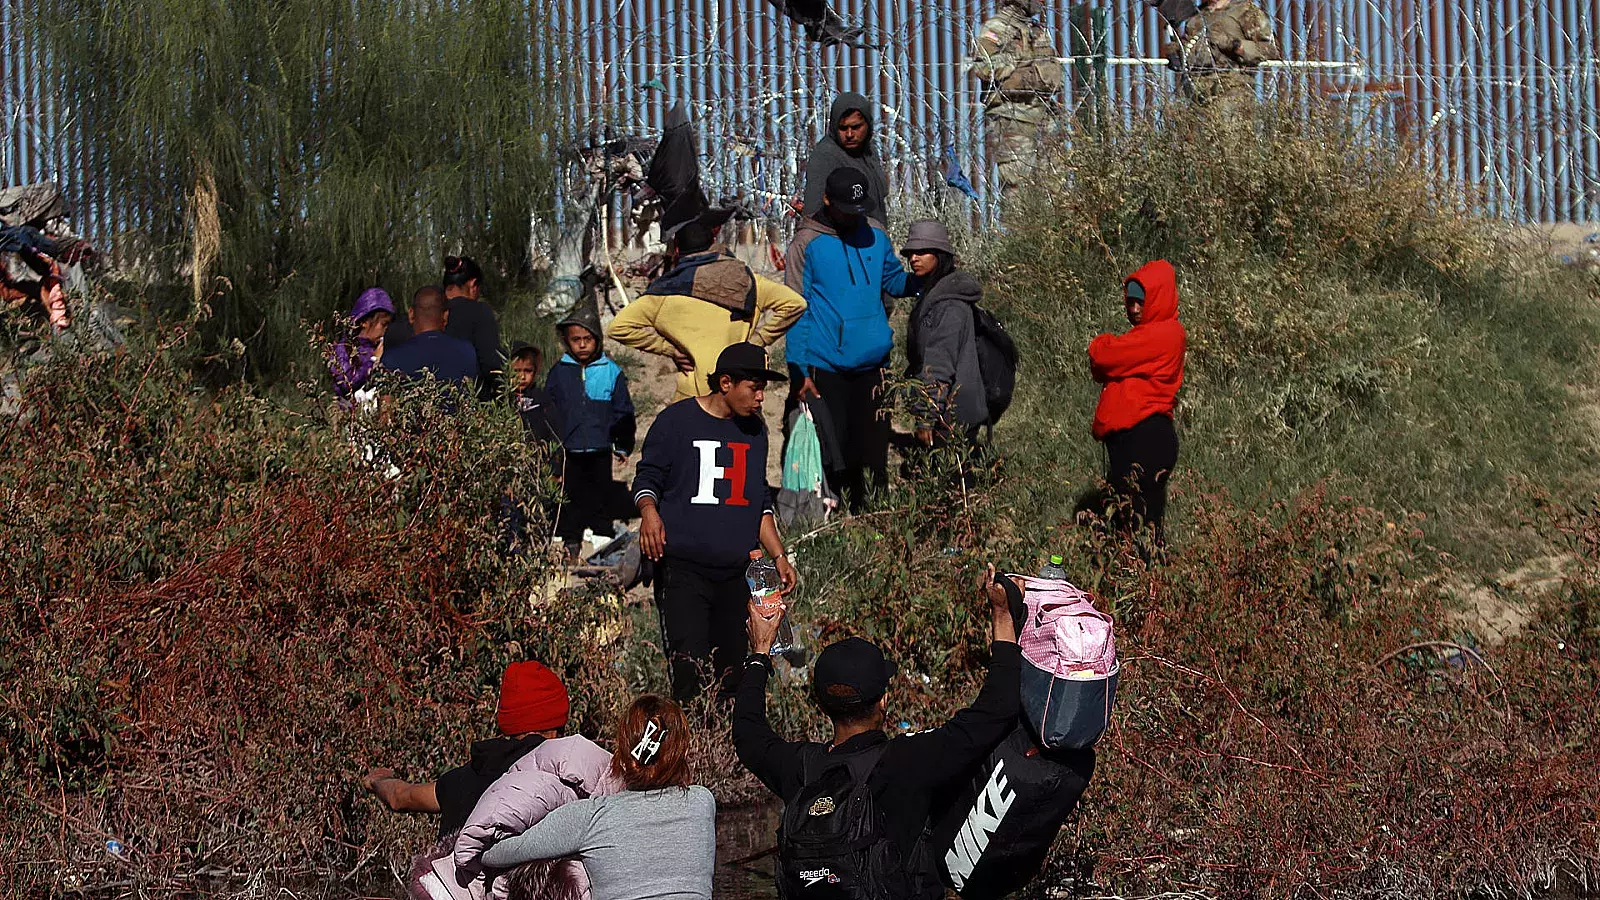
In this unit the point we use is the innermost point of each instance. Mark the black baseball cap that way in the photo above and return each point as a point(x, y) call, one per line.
point(745, 361)
point(848, 191)
point(852, 672)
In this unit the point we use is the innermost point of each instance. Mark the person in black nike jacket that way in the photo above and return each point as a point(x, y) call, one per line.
point(850, 685)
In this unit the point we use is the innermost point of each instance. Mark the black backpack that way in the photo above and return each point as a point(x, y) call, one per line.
point(832, 844)
point(997, 361)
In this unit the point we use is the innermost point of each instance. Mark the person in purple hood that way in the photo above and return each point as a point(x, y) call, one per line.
point(356, 357)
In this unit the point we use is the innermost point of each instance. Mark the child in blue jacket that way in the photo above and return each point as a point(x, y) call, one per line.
point(590, 392)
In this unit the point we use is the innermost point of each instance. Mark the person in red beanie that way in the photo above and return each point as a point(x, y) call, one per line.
point(1140, 373)
point(533, 707)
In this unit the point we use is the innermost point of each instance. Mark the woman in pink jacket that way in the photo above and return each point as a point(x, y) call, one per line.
point(553, 774)
point(656, 840)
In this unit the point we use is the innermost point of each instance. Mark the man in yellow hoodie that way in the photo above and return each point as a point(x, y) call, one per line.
point(706, 301)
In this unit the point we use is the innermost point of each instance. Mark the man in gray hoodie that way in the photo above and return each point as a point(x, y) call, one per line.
point(848, 145)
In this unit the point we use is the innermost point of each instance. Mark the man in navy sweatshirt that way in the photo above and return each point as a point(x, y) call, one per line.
point(705, 504)
point(433, 353)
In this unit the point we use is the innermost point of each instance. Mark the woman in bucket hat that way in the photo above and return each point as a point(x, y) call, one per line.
point(941, 339)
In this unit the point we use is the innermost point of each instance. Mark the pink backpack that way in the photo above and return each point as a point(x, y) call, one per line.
point(1069, 664)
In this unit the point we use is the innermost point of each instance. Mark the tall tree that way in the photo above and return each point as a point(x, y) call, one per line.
point(340, 143)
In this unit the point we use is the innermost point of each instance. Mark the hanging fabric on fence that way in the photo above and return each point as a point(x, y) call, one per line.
point(822, 24)
point(674, 177)
point(955, 176)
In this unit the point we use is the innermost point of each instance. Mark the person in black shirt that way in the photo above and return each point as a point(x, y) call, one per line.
point(472, 320)
point(704, 504)
point(432, 353)
point(533, 707)
point(850, 684)
point(541, 428)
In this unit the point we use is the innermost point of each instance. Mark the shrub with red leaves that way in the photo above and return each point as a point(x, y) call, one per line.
point(1298, 716)
point(219, 615)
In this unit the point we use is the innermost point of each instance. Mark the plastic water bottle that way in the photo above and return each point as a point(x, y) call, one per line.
point(765, 585)
point(1055, 569)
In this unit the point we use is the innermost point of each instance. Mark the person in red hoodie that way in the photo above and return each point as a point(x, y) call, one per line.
point(1140, 373)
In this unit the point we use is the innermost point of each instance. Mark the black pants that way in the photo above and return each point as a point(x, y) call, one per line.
point(1142, 458)
point(853, 400)
point(587, 482)
point(702, 629)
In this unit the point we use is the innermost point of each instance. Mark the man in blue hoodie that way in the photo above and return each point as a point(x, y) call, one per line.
point(842, 263)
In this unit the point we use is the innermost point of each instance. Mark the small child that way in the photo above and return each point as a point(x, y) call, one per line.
point(541, 424)
point(590, 393)
point(541, 421)
point(356, 357)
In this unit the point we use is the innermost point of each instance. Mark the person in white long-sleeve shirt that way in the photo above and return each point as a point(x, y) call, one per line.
point(657, 840)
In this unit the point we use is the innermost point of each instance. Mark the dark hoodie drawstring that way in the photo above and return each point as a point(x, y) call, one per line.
point(847, 267)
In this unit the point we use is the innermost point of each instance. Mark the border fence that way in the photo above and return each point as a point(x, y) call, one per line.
point(1503, 95)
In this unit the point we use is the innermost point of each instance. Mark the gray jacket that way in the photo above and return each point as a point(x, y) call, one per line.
point(942, 346)
point(636, 845)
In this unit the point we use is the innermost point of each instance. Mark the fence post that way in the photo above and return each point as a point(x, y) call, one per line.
point(1087, 30)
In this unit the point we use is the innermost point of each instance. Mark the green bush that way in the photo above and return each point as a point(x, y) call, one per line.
point(1374, 375)
point(220, 613)
point(339, 143)
point(1286, 723)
